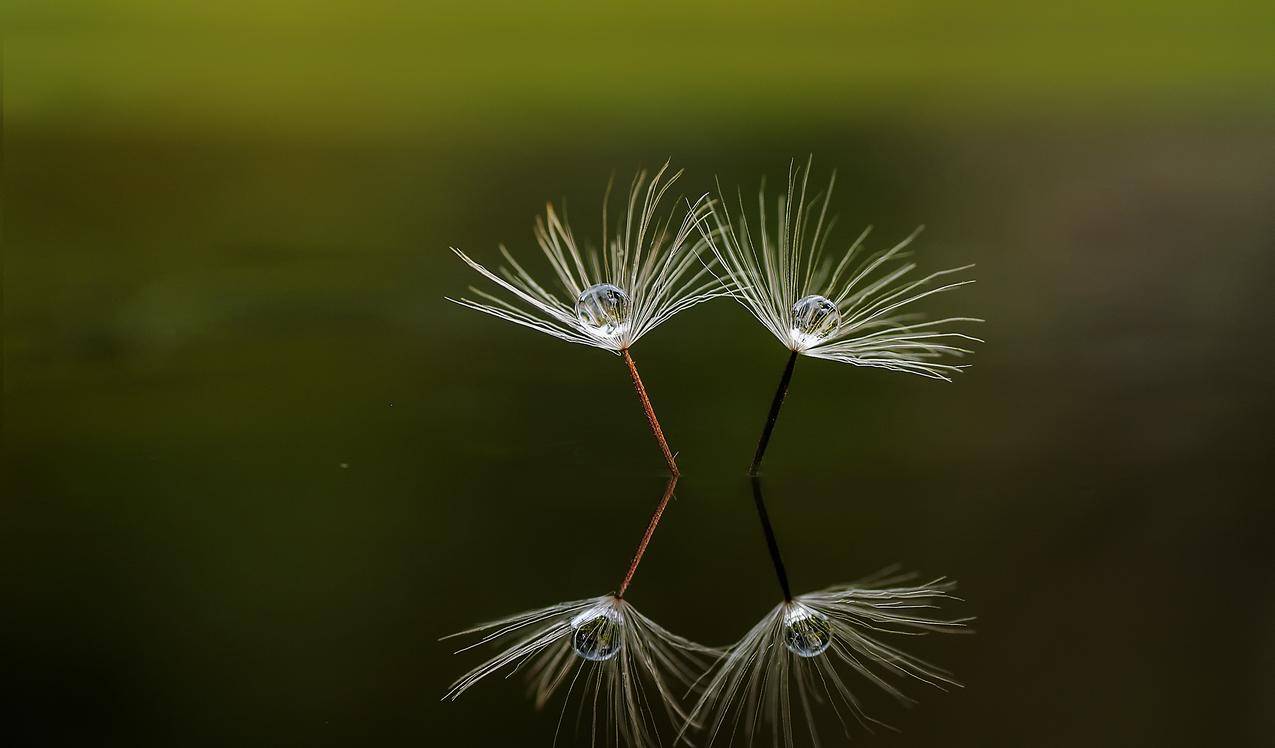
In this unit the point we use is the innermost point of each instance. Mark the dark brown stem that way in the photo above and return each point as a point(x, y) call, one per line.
point(771, 544)
point(646, 538)
point(773, 416)
point(650, 414)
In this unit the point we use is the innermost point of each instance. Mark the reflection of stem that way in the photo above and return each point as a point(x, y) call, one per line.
point(771, 543)
point(650, 413)
point(773, 416)
point(646, 538)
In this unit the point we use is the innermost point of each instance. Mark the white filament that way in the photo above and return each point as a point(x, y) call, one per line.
point(614, 689)
point(661, 271)
point(752, 685)
point(769, 271)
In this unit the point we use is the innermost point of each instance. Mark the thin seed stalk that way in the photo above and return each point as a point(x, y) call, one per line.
point(650, 413)
point(775, 405)
point(771, 543)
point(646, 537)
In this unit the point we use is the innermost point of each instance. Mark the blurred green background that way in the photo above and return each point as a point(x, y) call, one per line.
point(254, 465)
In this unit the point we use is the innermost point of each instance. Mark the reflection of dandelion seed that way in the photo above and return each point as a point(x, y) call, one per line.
point(617, 657)
point(846, 309)
point(644, 275)
point(806, 644)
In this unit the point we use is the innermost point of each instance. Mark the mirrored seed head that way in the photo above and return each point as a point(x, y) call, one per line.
point(814, 318)
point(603, 308)
point(807, 632)
point(597, 634)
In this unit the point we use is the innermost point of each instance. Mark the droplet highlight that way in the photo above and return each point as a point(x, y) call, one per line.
point(597, 634)
point(814, 318)
point(604, 309)
point(807, 632)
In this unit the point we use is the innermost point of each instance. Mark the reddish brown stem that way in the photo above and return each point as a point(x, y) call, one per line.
point(650, 413)
point(646, 538)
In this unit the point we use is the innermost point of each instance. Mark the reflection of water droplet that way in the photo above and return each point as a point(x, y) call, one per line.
point(807, 632)
point(604, 308)
point(814, 318)
point(597, 633)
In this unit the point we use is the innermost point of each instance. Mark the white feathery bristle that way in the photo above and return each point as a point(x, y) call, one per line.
point(656, 272)
point(769, 269)
point(621, 668)
point(750, 689)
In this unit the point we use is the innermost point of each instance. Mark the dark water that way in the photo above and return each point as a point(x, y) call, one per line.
point(255, 466)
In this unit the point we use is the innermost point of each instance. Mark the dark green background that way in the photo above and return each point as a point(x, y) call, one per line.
point(255, 465)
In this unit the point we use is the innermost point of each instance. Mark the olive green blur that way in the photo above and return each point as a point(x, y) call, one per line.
point(255, 465)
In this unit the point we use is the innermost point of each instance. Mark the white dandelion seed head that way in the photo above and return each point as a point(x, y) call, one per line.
point(855, 309)
point(810, 650)
point(650, 268)
point(625, 668)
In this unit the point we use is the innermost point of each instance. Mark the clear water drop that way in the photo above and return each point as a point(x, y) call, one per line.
point(814, 318)
point(807, 632)
point(597, 634)
point(604, 308)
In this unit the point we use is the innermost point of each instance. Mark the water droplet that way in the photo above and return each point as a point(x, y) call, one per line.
point(604, 308)
point(597, 633)
point(807, 632)
point(814, 318)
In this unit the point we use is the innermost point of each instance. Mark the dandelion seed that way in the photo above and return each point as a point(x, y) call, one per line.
point(628, 669)
point(855, 309)
point(810, 644)
point(644, 275)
